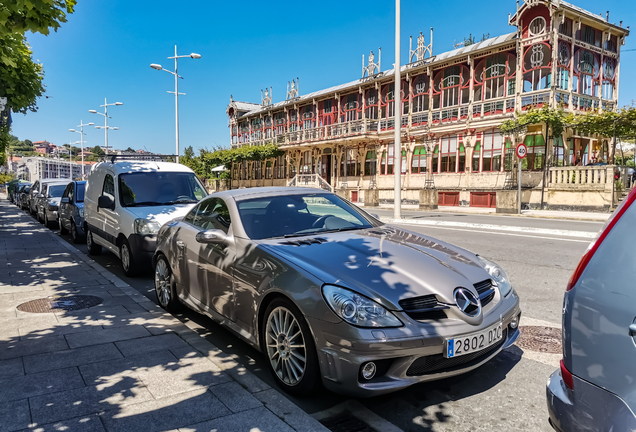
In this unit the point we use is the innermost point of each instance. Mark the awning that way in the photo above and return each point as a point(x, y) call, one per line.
point(219, 168)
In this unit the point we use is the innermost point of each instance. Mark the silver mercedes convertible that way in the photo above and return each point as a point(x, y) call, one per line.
point(332, 295)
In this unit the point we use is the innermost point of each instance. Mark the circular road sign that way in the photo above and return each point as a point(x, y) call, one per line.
point(522, 151)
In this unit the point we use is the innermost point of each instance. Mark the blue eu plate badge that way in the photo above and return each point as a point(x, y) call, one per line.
point(451, 348)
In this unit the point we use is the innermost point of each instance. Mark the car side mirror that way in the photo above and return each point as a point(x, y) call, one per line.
point(40, 195)
point(65, 200)
point(106, 202)
point(212, 236)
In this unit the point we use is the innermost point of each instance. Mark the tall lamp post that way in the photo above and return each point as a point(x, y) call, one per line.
point(81, 132)
point(70, 159)
point(397, 145)
point(176, 89)
point(106, 117)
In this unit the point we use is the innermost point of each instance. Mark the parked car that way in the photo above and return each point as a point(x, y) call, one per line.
point(22, 194)
point(36, 190)
point(71, 213)
point(329, 293)
point(14, 185)
point(127, 202)
point(48, 201)
point(594, 389)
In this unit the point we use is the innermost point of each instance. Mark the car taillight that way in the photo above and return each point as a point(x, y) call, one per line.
point(591, 250)
point(567, 376)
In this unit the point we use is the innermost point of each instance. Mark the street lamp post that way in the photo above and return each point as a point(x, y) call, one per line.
point(397, 100)
point(106, 117)
point(81, 132)
point(70, 159)
point(176, 89)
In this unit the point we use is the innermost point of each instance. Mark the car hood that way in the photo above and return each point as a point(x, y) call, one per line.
point(161, 214)
point(386, 263)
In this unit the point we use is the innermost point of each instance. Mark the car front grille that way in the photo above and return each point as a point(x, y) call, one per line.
point(424, 308)
point(438, 363)
point(486, 291)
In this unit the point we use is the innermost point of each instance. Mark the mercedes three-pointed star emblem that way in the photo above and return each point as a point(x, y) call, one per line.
point(467, 302)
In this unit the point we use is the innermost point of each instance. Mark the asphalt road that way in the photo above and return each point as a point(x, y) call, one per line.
point(507, 393)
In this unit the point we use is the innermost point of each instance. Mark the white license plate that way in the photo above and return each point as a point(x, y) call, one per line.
point(473, 342)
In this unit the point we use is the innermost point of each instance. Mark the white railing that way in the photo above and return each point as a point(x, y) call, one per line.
point(310, 180)
point(581, 177)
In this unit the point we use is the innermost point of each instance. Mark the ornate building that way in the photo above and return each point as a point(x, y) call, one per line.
point(452, 103)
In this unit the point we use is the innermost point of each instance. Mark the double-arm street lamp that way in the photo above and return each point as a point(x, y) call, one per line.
point(106, 117)
point(176, 89)
point(81, 132)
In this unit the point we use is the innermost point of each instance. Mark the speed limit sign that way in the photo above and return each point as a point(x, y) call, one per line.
point(522, 150)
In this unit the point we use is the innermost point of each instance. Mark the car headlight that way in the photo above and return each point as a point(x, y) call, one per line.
point(52, 207)
point(498, 275)
point(80, 211)
point(358, 310)
point(146, 226)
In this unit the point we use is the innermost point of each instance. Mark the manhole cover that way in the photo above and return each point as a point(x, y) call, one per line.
point(541, 339)
point(346, 422)
point(64, 303)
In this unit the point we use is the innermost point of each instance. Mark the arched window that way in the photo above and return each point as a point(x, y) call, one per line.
point(536, 153)
point(476, 156)
point(420, 93)
point(418, 160)
point(586, 72)
point(293, 120)
point(537, 73)
point(451, 87)
point(563, 71)
point(388, 101)
point(435, 167)
point(350, 108)
point(372, 103)
point(461, 159)
point(244, 132)
point(495, 77)
point(268, 127)
point(370, 163)
point(281, 123)
point(327, 112)
point(405, 89)
point(279, 167)
point(386, 163)
point(307, 121)
point(537, 26)
point(306, 165)
point(256, 129)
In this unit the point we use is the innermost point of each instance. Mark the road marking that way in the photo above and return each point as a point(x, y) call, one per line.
point(508, 234)
point(529, 230)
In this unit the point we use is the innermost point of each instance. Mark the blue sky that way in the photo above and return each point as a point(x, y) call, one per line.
point(106, 47)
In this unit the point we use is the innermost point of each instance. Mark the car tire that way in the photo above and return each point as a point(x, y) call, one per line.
point(77, 238)
point(63, 230)
point(127, 260)
point(164, 287)
point(47, 223)
point(93, 248)
point(276, 345)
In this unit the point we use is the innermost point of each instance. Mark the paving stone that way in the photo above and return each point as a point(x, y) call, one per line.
point(14, 415)
point(247, 379)
point(113, 394)
point(69, 358)
point(11, 368)
point(96, 373)
point(89, 423)
point(153, 343)
point(235, 397)
point(167, 413)
point(288, 412)
point(39, 384)
point(96, 312)
point(31, 347)
point(258, 419)
point(105, 336)
point(28, 333)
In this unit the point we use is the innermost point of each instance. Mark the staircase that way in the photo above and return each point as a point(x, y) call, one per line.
point(310, 181)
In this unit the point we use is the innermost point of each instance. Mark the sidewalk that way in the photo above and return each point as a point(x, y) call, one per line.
point(410, 210)
point(121, 365)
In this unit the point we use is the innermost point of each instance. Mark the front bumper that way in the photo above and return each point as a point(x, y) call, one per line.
point(585, 408)
point(397, 357)
point(142, 248)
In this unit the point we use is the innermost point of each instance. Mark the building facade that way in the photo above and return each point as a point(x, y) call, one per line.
point(35, 168)
point(452, 105)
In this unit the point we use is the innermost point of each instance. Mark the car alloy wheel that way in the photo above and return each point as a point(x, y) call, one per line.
point(63, 229)
point(163, 285)
point(127, 259)
point(74, 234)
point(93, 248)
point(285, 346)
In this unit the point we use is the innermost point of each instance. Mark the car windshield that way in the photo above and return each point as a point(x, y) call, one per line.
point(298, 215)
point(56, 191)
point(79, 194)
point(159, 188)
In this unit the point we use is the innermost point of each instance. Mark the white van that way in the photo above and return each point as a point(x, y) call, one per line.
point(126, 202)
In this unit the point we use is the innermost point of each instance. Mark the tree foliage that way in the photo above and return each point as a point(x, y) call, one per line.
point(203, 164)
point(37, 16)
point(20, 76)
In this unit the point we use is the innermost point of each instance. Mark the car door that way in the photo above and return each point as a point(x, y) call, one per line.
point(33, 193)
point(599, 313)
point(65, 207)
point(209, 265)
point(109, 217)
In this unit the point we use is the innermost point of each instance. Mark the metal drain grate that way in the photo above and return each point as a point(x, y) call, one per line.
point(56, 304)
point(541, 339)
point(346, 422)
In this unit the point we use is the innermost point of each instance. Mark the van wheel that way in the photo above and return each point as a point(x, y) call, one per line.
point(93, 248)
point(127, 260)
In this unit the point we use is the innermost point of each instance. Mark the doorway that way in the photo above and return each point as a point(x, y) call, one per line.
point(325, 168)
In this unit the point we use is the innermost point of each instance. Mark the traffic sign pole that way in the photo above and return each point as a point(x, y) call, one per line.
point(521, 151)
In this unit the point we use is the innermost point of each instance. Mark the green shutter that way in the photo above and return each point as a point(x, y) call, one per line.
point(461, 148)
point(436, 149)
point(529, 141)
point(539, 141)
point(477, 147)
point(416, 152)
point(508, 143)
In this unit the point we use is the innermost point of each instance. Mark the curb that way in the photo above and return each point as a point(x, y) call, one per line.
point(271, 398)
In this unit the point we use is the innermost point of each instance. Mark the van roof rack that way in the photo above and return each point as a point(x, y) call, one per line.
point(140, 157)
